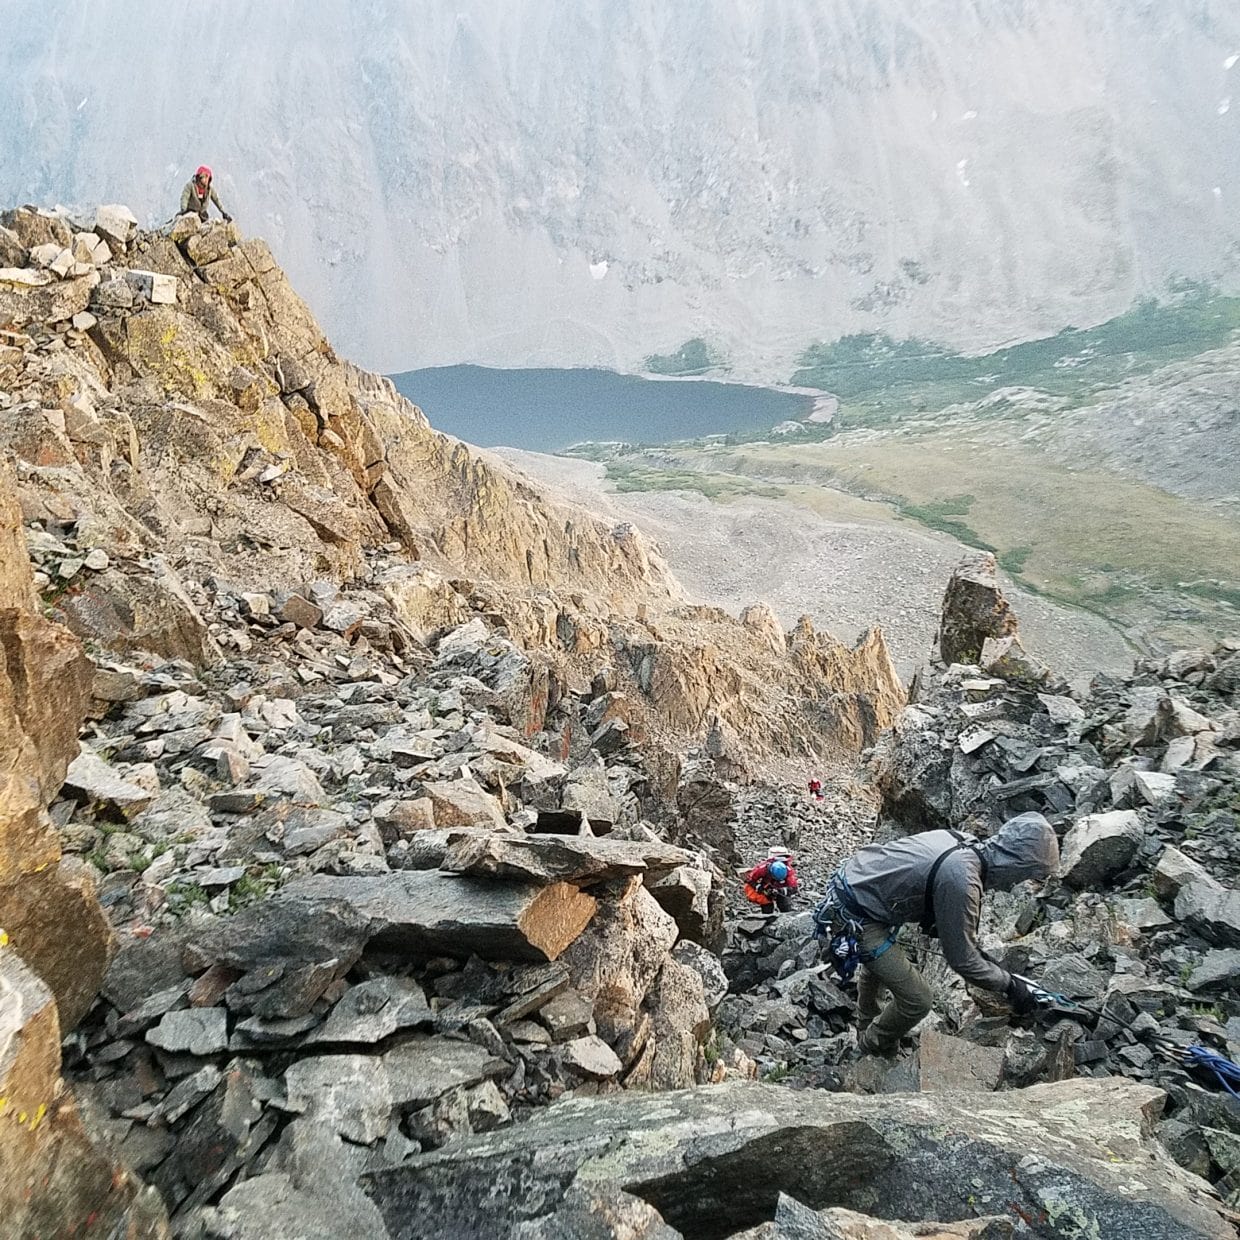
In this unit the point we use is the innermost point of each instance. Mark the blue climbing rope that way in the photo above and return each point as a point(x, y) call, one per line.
point(1196, 1058)
point(1224, 1071)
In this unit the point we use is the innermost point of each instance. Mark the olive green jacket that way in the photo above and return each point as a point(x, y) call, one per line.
point(192, 201)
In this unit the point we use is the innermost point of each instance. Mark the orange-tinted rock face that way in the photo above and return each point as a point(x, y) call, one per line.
point(54, 939)
point(49, 915)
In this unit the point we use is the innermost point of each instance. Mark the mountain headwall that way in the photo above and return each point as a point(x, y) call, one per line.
point(589, 181)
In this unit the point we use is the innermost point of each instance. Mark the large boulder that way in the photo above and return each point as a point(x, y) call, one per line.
point(429, 913)
point(1068, 1159)
point(1099, 847)
point(1174, 871)
point(98, 782)
point(974, 611)
point(27, 297)
point(1212, 910)
point(947, 1064)
point(588, 792)
point(1198, 899)
point(680, 1019)
point(47, 907)
point(117, 223)
point(32, 227)
point(463, 803)
point(356, 1095)
point(615, 962)
point(12, 252)
point(284, 952)
point(55, 1182)
point(1007, 657)
point(706, 810)
point(692, 897)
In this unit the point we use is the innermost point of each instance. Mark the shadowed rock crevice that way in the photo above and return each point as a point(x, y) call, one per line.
point(714, 1196)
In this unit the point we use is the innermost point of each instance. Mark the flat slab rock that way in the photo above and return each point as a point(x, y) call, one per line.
point(1215, 969)
point(948, 1064)
point(1210, 909)
point(373, 1010)
point(90, 775)
point(592, 1057)
point(355, 1095)
point(289, 928)
point(428, 913)
point(200, 1031)
point(714, 1161)
point(571, 858)
point(794, 1221)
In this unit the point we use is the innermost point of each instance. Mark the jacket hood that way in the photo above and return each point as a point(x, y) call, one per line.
point(1024, 847)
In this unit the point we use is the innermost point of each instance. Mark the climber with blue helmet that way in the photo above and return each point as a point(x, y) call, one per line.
point(772, 883)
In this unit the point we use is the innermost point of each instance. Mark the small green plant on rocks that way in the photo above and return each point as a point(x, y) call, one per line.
point(182, 896)
point(710, 1048)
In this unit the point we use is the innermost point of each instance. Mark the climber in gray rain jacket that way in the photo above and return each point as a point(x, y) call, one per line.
point(935, 878)
point(199, 191)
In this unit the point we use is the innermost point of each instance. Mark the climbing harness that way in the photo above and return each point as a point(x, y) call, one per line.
point(838, 924)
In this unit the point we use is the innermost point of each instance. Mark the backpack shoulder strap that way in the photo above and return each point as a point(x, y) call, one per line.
point(929, 923)
point(981, 860)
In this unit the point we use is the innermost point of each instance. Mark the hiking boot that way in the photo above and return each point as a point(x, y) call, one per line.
point(868, 1044)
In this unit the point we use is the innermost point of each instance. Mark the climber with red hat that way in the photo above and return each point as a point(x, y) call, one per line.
point(198, 192)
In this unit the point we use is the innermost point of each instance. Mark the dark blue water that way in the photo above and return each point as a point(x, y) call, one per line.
point(546, 410)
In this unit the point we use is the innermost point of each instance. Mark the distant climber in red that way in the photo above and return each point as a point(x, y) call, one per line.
point(815, 789)
point(198, 193)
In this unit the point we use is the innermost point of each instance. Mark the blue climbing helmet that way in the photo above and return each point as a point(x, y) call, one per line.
point(778, 871)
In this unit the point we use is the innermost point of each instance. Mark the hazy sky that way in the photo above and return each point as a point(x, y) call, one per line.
point(541, 181)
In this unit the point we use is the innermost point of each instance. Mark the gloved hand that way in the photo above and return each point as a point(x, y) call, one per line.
point(1022, 997)
point(227, 218)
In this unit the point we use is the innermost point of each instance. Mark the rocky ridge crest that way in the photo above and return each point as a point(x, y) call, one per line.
point(177, 416)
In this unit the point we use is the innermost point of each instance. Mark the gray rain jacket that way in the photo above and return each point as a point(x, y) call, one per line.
point(887, 884)
point(194, 202)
